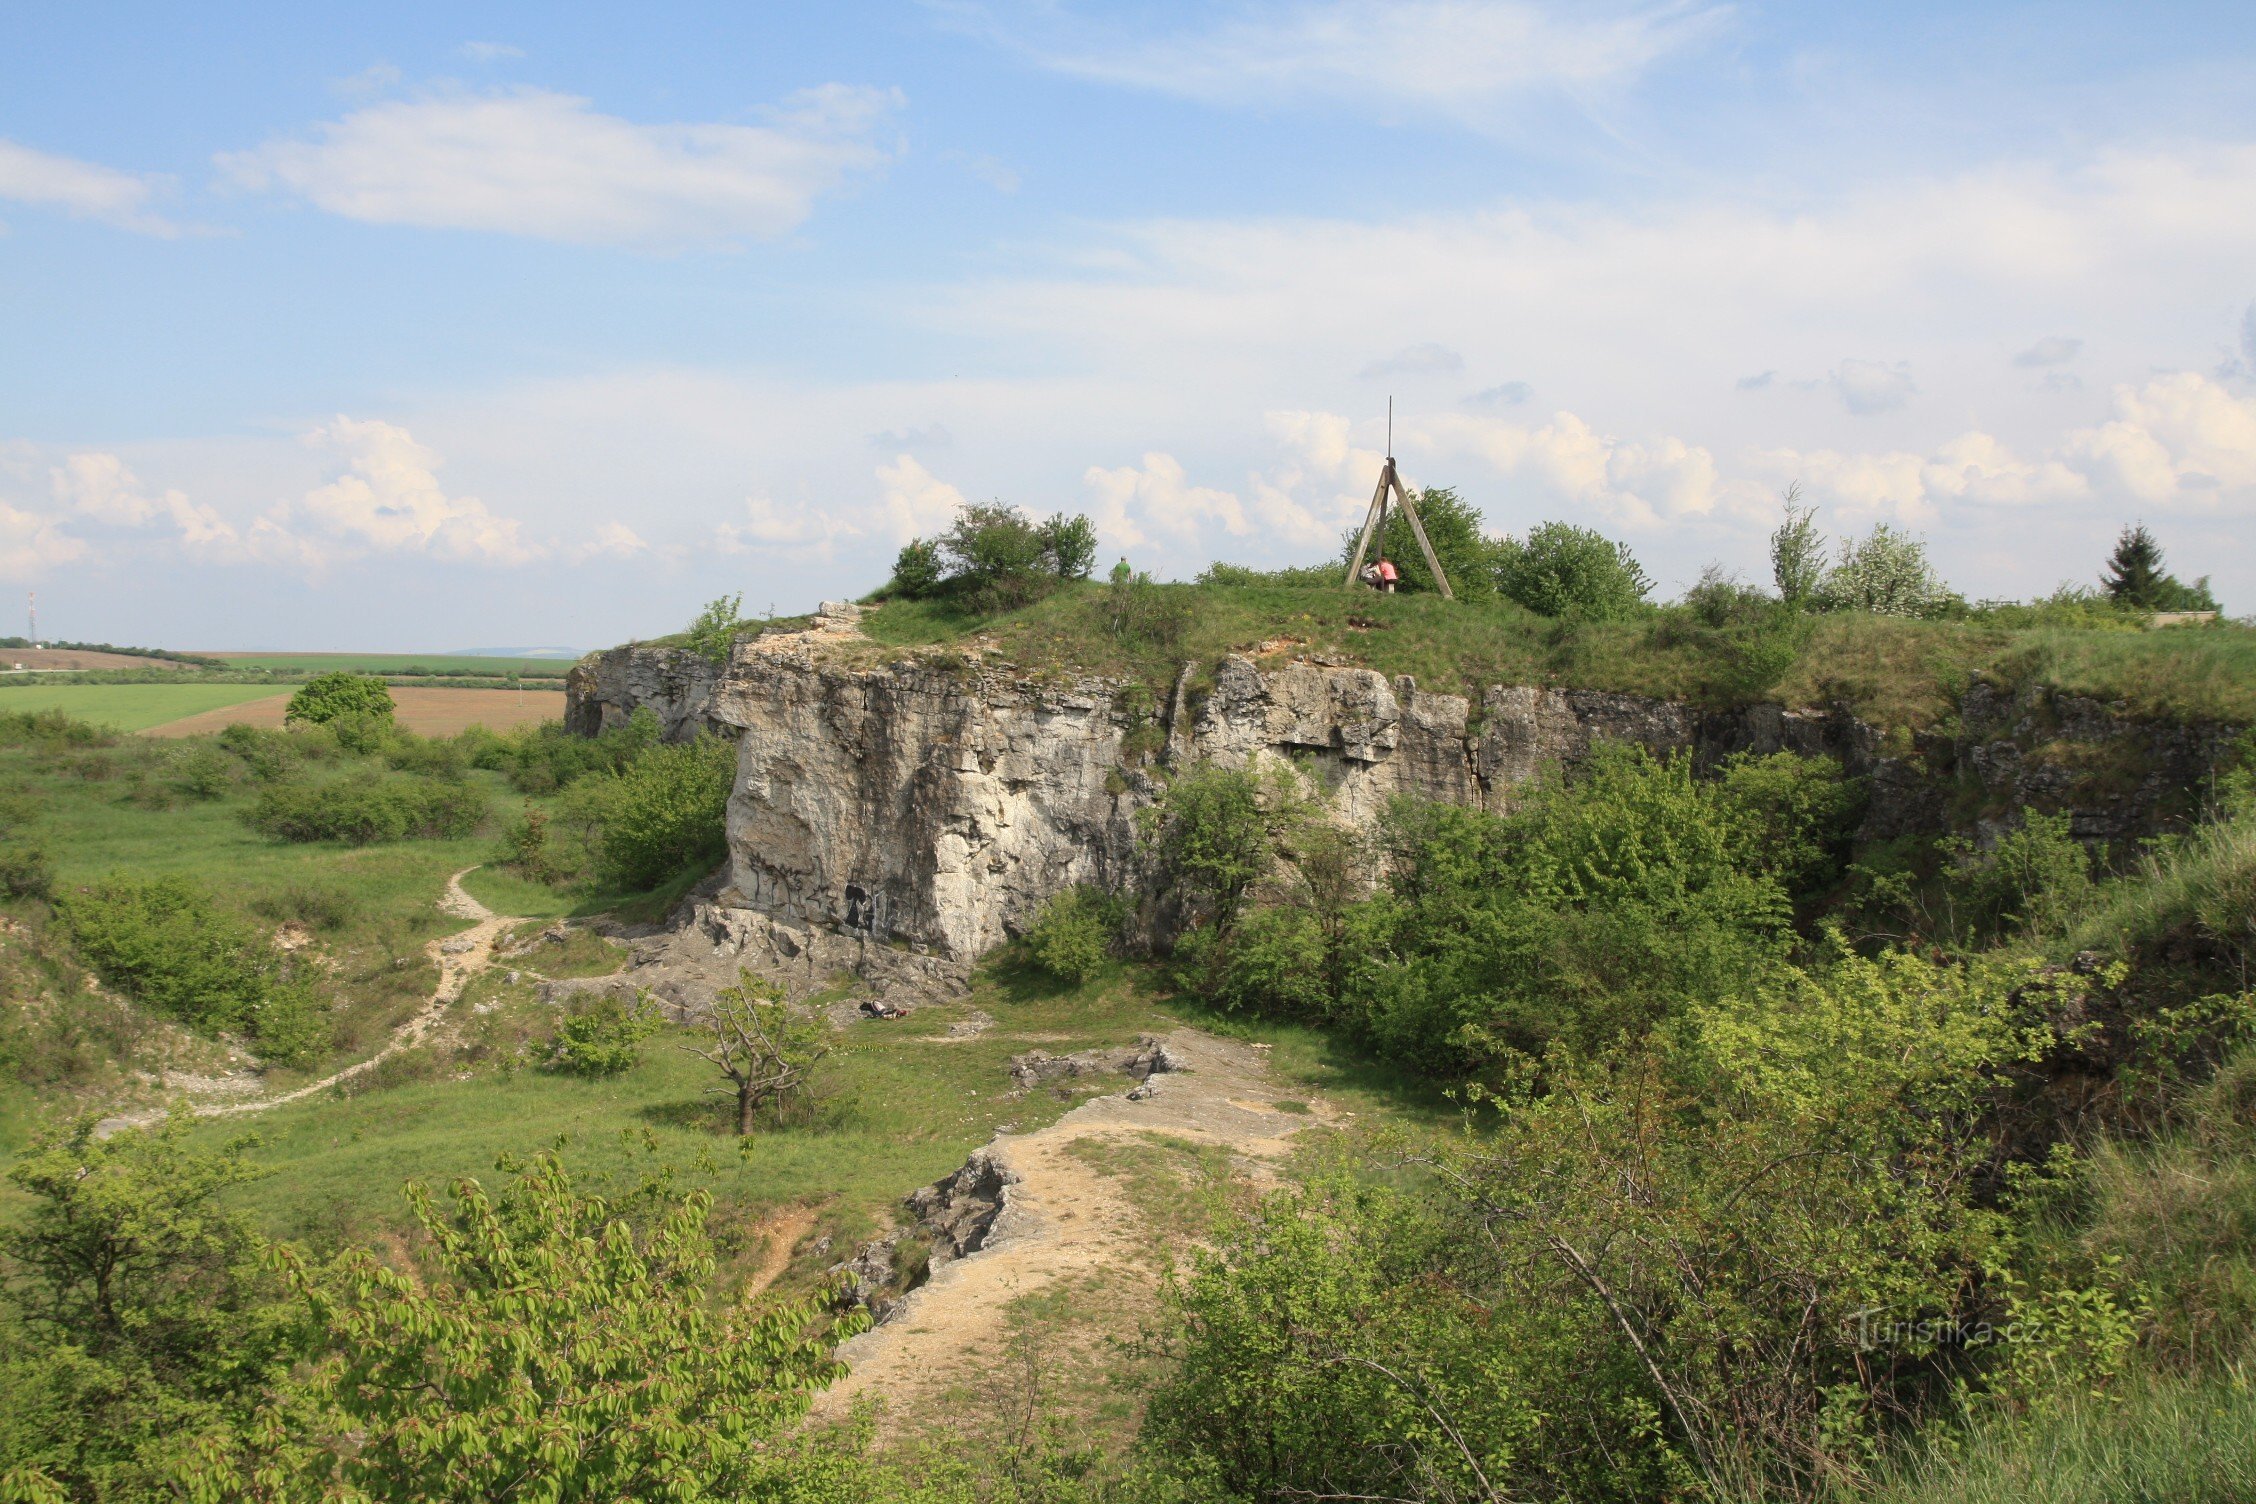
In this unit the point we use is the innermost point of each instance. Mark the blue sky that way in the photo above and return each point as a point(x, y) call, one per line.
point(429, 326)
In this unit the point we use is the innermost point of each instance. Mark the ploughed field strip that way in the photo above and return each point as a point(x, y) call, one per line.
point(425, 711)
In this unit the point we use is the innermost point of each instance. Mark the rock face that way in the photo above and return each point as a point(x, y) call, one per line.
point(674, 684)
point(914, 816)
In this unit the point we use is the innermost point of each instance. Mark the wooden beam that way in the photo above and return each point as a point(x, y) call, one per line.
point(1372, 519)
point(1416, 526)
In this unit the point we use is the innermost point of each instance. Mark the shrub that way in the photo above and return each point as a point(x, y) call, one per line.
point(917, 570)
point(1069, 544)
point(202, 771)
point(714, 632)
point(664, 811)
point(1559, 569)
point(321, 908)
point(604, 1038)
point(1886, 573)
point(1136, 610)
point(49, 728)
point(269, 754)
point(2036, 875)
point(342, 693)
point(1072, 936)
point(1209, 838)
point(367, 807)
point(2135, 577)
point(26, 868)
point(1000, 559)
point(165, 943)
point(1797, 552)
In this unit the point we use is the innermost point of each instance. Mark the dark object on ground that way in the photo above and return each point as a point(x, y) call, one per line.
point(873, 1007)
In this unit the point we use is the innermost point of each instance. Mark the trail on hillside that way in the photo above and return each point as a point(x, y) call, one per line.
point(459, 957)
point(1065, 1218)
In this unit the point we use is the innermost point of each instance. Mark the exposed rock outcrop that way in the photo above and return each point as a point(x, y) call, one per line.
point(674, 684)
point(904, 819)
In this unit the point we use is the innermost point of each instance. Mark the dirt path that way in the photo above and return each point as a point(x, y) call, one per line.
point(459, 956)
point(1066, 1218)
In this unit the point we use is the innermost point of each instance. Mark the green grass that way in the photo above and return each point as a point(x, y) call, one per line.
point(2162, 1442)
point(900, 1109)
point(133, 707)
point(437, 664)
point(1892, 671)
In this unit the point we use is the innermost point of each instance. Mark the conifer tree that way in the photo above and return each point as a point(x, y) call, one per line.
point(2134, 572)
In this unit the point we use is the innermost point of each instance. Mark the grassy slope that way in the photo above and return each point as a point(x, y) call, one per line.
point(131, 707)
point(1893, 671)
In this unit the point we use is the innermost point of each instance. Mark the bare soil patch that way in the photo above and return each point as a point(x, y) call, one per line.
point(429, 712)
point(76, 658)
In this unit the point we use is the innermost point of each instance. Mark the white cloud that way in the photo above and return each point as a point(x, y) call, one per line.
point(769, 526)
point(83, 190)
point(101, 487)
point(32, 544)
point(2052, 350)
point(1866, 386)
point(1129, 497)
point(1457, 58)
point(389, 499)
point(612, 540)
point(531, 162)
point(915, 501)
point(1636, 483)
point(2179, 439)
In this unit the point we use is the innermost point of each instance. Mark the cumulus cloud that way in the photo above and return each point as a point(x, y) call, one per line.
point(100, 486)
point(83, 190)
point(536, 163)
point(31, 544)
point(769, 526)
point(389, 499)
point(1157, 493)
point(1456, 58)
point(1417, 360)
point(1867, 386)
point(611, 540)
point(1636, 483)
point(2052, 350)
point(2179, 439)
point(914, 500)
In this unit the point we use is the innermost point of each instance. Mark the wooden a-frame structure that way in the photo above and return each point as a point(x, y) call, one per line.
point(1374, 521)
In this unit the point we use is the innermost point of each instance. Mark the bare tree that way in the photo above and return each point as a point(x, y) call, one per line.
point(757, 1043)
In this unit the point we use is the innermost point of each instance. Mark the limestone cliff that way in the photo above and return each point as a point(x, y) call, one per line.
point(928, 810)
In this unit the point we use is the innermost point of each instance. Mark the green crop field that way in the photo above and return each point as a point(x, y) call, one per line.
point(437, 664)
point(131, 707)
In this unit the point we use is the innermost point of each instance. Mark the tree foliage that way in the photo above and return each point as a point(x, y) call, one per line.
point(1560, 569)
point(764, 1049)
point(340, 695)
point(1886, 573)
point(540, 1347)
point(1797, 552)
point(2135, 577)
point(661, 812)
point(712, 634)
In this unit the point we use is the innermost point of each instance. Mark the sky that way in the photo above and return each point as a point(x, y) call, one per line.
point(416, 326)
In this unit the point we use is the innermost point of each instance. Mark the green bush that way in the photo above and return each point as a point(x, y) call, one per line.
point(50, 729)
point(1209, 839)
point(1886, 573)
point(544, 758)
point(27, 870)
point(1071, 938)
point(164, 942)
point(917, 570)
point(603, 1038)
point(2036, 875)
point(1559, 569)
point(367, 807)
point(715, 630)
point(326, 697)
point(664, 811)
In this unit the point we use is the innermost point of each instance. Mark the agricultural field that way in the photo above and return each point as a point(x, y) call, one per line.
point(425, 711)
point(135, 707)
point(435, 665)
